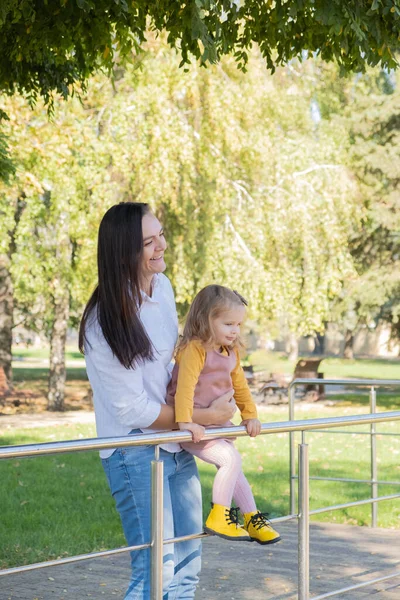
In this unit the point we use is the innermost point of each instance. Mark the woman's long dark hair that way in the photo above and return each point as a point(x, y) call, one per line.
point(117, 297)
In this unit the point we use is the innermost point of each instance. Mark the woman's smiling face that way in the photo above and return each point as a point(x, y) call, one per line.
point(154, 245)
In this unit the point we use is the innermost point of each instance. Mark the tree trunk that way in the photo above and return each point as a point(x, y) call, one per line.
point(6, 324)
point(319, 340)
point(58, 338)
point(293, 347)
point(348, 344)
point(7, 302)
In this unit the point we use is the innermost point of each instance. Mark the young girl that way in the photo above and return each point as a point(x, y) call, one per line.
point(207, 365)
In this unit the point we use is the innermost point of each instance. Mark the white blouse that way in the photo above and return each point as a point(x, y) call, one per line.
point(126, 399)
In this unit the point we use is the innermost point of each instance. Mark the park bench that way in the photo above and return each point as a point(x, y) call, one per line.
point(276, 387)
point(307, 368)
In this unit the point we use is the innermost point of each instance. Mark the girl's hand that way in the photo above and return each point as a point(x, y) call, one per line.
point(197, 431)
point(253, 426)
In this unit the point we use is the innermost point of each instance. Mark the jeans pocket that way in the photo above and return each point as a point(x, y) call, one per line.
point(138, 458)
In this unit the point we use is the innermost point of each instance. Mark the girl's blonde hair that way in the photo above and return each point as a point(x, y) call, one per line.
point(208, 305)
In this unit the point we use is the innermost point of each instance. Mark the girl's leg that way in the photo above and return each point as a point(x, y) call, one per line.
point(185, 491)
point(255, 523)
point(228, 461)
point(128, 472)
point(243, 495)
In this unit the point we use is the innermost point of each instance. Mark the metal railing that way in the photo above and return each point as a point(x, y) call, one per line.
point(156, 542)
point(373, 481)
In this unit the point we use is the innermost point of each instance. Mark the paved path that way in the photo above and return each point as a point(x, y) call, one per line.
point(44, 419)
point(340, 555)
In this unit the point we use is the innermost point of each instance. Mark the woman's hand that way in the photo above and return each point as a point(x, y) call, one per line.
point(253, 426)
point(223, 408)
point(219, 412)
point(197, 431)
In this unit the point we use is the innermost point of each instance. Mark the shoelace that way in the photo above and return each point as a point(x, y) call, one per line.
point(260, 520)
point(232, 516)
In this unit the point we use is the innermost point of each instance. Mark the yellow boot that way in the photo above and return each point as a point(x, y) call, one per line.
point(223, 521)
point(259, 528)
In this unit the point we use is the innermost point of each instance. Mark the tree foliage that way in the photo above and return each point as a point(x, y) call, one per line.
point(371, 113)
point(252, 193)
point(7, 167)
point(48, 47)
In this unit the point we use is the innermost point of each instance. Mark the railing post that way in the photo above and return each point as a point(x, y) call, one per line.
point(374, 464)
point(304, 525)
point(292, 459)
point(157, 526)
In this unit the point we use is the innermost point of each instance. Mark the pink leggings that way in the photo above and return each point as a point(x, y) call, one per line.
point(229, 481)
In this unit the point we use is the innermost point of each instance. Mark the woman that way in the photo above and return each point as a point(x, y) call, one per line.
point(128, 334)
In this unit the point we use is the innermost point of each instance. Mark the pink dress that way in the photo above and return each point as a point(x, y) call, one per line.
point(214, 381)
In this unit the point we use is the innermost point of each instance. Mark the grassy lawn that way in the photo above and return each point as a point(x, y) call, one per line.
point(60, 505)
point(27, 353)
point(57, 505)
point(338, 368)
point(31, 364)
point(26, 375)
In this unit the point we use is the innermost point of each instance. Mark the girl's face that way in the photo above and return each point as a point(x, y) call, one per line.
point(226, 327)
point(154, 245)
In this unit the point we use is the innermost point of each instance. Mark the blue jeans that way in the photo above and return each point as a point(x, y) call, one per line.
point(128, 472)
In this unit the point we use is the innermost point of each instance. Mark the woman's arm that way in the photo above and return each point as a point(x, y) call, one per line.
point(220, 410)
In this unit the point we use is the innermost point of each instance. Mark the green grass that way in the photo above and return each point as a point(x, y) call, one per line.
point(31, 364)
point(385, 401)
point(60, 505)
point(27, 374)
point(377, 368)
point(57, 505)
point(19, 352)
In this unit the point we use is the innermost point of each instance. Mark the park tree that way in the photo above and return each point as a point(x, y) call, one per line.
point(46, 209)
point(54, 48)
point(7, 168)
point(253, 193)
point(373, 297)
point(10, 220)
